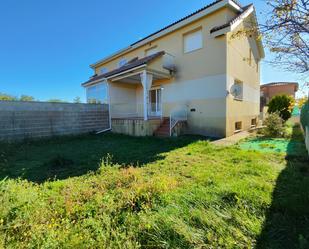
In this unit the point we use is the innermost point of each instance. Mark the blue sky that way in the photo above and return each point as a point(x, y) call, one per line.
point(46, 46)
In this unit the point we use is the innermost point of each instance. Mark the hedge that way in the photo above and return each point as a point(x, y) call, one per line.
point(304, 116)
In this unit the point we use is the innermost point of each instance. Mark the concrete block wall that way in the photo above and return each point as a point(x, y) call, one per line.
point(20, 120)
point(138, 128)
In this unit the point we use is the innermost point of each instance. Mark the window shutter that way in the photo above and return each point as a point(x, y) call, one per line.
point(193, 41)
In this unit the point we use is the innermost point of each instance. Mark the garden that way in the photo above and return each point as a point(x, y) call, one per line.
point(116, 191)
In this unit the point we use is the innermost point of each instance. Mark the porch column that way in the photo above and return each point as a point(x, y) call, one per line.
point(146, 79)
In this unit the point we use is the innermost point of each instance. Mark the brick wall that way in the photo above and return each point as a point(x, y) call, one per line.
point(19, 120)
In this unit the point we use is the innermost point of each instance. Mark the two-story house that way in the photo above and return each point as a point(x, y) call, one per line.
point(193, 76)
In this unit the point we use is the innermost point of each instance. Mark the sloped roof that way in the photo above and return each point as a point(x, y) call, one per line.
point(295, 84)
point(234, 20)
point(130, 65)
point(174, 24)
point(184, 18)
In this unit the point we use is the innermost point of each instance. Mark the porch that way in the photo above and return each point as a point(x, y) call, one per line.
point(135, 93)
point(136, 103)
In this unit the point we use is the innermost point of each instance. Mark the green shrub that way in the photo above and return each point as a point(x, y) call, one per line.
point(283, 104)
point(274, 125)
point(304, 116)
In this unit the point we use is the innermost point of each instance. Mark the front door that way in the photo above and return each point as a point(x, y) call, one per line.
point(155, 102)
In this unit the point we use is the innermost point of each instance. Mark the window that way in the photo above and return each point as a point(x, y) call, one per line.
point(122, 62)
point(97, 94)
point(103, 70)
point(151, 51)
point(238, 126)
point(237, 90)
point(253, 122)
point(193, 41)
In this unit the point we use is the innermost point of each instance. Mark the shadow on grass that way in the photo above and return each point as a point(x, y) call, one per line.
point(63, 157)
point(287, 220)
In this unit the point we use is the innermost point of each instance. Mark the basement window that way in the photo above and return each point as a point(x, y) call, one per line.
point(238, 127)
point(253, 122)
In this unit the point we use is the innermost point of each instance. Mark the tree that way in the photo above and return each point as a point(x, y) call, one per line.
point(302, 101)
point(282, 104)
point(26, 98)
point(7, 97)
point(285, 32)
point(77, 100)
point(273, 125)
point(56, 101)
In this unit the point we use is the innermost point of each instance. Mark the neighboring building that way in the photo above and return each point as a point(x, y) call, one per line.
point(192, 76)
point(277, 88)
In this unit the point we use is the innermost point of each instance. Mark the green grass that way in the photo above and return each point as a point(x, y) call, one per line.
point(113, 191)
point(292, 145)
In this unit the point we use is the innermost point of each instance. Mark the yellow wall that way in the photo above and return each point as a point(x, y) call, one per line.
point(173, 44)
point(123, 98)
point(202, 80)
point(240, 68)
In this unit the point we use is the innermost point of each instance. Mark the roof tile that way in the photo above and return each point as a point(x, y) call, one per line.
point(238, 17)
point(130, 65)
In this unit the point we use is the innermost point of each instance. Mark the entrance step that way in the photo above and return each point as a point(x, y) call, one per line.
point(164, 129)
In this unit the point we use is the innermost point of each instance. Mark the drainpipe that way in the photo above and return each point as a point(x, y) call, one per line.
point(109, 110)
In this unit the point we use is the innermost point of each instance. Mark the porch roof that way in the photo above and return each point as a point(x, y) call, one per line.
point(129, 66)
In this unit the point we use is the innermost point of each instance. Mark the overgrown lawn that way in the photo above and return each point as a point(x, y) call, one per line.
point(113, 191)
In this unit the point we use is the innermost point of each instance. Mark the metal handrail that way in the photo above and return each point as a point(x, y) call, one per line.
point(176, 116)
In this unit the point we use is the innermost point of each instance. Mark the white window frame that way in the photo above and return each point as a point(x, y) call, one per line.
point(238, 130)
point(255, 122)
point(97, 92)
point(196, 39)
point(239, 96)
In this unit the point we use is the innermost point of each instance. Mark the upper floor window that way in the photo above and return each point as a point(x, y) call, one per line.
point(103, 70)
point(193, 41)
point(151, 51)
point(122, 62)
point(237, 90)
